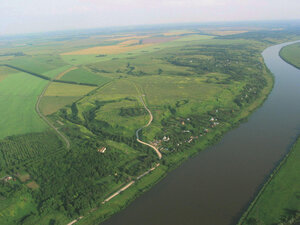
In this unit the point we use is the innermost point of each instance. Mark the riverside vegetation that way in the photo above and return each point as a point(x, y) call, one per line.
point(197, 87)
point(291, 54)
point(278, 202)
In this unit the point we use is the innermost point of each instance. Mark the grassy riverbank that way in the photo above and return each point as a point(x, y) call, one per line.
point(278, 202)
point(291, 54)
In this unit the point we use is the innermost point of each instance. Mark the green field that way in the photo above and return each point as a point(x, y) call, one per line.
point(38, 64)
point(18, 97)
point(291, 54)
point(84, 76)
point(59, 95)
point(279, 201)
point(185, 80)
point(14, 209)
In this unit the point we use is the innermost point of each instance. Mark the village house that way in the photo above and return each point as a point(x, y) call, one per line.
point(8, 178)
point(102, 150)
point(166, 138)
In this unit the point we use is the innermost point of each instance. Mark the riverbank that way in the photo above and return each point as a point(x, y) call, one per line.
point(278, 200)
point(121, 201)
point(291, 54)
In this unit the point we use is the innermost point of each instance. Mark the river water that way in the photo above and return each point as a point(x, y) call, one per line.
point(214, 187)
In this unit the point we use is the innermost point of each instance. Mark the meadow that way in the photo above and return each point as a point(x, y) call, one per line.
point(185, 78)
point(59, 95)
point(291, 54)
point(84, 76)
point(19, 93)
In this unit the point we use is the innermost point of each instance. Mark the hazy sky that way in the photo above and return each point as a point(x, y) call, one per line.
point(24, 16)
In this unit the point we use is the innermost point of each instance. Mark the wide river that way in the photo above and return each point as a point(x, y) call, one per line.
point(214, 187)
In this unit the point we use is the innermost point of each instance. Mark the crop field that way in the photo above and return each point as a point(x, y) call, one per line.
point(125, 46)
point(50, 104)
point(62, 89)
point(90, 58)
point(19, 93)
point(59, 95)
point(84, 76)
point(5, 71)
point(291, 54)
point(38, 64)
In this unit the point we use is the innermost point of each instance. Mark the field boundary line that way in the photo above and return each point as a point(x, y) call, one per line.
point(37, 109)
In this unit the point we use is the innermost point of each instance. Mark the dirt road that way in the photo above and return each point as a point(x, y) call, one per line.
point(37, 109)
point(149, 122)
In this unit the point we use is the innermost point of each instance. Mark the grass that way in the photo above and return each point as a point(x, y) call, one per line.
point(84, 76)
point(15, 208)
point(291, 54)
point(19, 94)
point(5, 71)
point(70, 90)
point(32, 185)
point(121, 94)
point(38, 64)
point(59, 95)
point(280, 196)
point(23, 177)
point(50, 104)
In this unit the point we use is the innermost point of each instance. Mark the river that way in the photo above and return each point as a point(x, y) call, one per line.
point(214, 187)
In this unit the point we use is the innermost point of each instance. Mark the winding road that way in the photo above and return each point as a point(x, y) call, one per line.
point(149, 122)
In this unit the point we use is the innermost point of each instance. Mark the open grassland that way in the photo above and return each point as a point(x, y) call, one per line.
point(38, 64)
point(18, 97)
point(62, 89)
point(56, 72)
point(279, 200)
point(112, 99)
point(291, 54)
point(84, 76)
point(5, 71)
point(59, 95)
point(50, 104)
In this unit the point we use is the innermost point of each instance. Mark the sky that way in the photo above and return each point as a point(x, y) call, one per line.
point(29, 16)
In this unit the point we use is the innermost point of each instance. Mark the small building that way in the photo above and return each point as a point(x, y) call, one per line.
point(166, 138)
point(102, 150)
point(8, 178)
